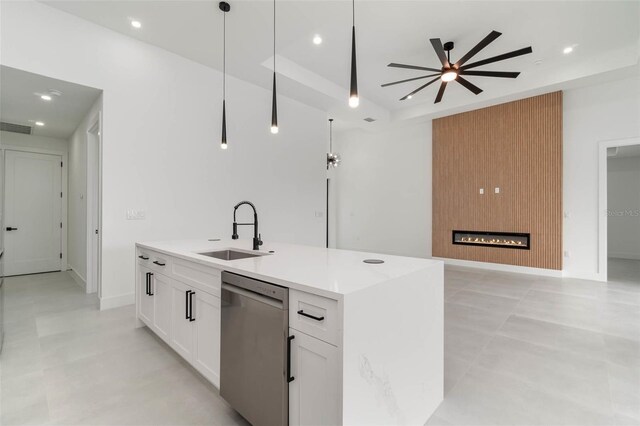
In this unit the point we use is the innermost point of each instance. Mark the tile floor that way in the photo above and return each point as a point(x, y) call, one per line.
point(519, 350)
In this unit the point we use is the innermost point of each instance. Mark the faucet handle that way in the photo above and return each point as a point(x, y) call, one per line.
point(259, 239)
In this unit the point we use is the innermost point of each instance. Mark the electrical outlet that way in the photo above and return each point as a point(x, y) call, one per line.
point(497, 190)
point(135, 214)
point(481, 191)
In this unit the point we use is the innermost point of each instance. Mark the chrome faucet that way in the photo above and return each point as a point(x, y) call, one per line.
point(257, 242)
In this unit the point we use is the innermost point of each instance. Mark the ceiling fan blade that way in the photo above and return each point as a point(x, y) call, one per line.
point(478, 47)
point(420, 88)
point(413, 67)
point(437, 46)
point(502, 74)
point(409, 79)
point(440, 92)
point(502, 57)
point(475, 89)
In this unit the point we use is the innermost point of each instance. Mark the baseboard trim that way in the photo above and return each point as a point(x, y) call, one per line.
point(77, 278)
point(117, 301)
point(628, 256)
point(501, 267)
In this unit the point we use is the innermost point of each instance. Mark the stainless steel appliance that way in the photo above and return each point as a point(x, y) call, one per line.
point(255, 349)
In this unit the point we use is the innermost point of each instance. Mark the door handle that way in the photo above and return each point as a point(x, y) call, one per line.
point(191, 318)
point(304, 314)
point(186, 304)
point(11, 229)
point(290, 378)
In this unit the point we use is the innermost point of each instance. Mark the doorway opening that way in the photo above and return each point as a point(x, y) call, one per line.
point(50, 140)
point(620, 203)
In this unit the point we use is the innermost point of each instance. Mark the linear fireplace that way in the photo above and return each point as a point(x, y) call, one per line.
point(515, 240)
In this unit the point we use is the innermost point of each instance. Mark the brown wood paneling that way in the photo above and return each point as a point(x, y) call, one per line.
point(517, 147)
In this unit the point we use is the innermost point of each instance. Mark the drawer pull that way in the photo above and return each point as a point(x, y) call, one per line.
point(158, 263)
point(143, 257)
point(304, 314)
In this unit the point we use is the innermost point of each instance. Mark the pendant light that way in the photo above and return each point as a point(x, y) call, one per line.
point(274, 105)
point(333, 159)
point(224, 7)
point(354, 99)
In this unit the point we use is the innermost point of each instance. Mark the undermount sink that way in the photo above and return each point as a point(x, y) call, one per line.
point(231, 254)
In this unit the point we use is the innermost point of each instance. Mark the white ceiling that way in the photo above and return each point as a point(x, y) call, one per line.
point(605, 34)
point(20, 102)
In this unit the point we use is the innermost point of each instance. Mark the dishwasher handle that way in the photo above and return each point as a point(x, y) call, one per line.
point(252, 295)
point(290, 378)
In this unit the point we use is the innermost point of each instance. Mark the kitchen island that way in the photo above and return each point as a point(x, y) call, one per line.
point(368, 347)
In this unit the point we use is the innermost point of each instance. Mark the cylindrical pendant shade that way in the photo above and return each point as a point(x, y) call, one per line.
point(223, 140)
point(354, 99)
point(274, 108)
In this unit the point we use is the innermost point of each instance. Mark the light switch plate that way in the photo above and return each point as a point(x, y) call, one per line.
point(481, 191)
point(497, 190)
point(135, 214)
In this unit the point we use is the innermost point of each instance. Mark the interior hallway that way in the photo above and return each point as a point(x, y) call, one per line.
point(519, 350)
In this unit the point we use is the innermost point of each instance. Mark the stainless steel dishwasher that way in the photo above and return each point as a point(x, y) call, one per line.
point(255, 349)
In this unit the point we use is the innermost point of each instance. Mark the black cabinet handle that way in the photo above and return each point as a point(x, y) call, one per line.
point(304, 314)
point(158, 263)
point(143, 257)
point(191, 318)
point(147, 283)
point(150, 283)
point(11, 229)
point(290, 378)
point(149, 275)
point(186, 304)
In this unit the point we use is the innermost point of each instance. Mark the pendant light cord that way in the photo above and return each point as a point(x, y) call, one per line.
point(224, 56)
point(353, 12)
point(274, 36)
point(331, 136)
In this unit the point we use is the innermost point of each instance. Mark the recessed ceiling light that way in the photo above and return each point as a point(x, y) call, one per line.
point(317, 39)
point(39, 123)
point(136, 24)
point(45, 97)
point(567, 50)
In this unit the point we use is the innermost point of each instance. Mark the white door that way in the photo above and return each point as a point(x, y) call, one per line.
point(206, 353)
point(161, 289)
point(145, 292)
point(313, 393)
point(182, 330)
point(33, 206)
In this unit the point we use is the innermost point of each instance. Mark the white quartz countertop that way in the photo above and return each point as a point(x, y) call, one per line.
point(328, 272)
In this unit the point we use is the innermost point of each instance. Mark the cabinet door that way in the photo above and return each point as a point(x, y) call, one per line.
point(206, 351)
point(145, 300)
point(161, 289)
point(182, 328)
point(314, 392)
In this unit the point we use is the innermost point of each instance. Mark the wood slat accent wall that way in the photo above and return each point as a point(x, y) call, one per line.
point(517, 147)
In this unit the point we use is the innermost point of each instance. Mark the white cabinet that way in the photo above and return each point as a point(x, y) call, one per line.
point(144, 299)
point(183, 332)
point(161, 290)
point(206, 349)
point(314, 392)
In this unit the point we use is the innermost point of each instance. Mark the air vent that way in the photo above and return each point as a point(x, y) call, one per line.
point(15, 128)
point(369, 120)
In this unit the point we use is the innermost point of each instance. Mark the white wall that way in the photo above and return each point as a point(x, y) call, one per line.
point(161, 133)
point(592, 114)
point(77, 219)
point(383, 190)
point(32, 141)
point(384, 182)
point(623, 203)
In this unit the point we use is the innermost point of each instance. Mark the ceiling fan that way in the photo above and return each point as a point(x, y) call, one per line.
point(454, 71)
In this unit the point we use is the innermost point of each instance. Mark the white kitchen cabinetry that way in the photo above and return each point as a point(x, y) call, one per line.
point(144, 299)
point(161, 290)
point(206, 348)
point(183, 332)
point(315, 389)
point(180, 302)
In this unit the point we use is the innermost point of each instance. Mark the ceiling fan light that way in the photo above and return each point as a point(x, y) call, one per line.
point(449, 76)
